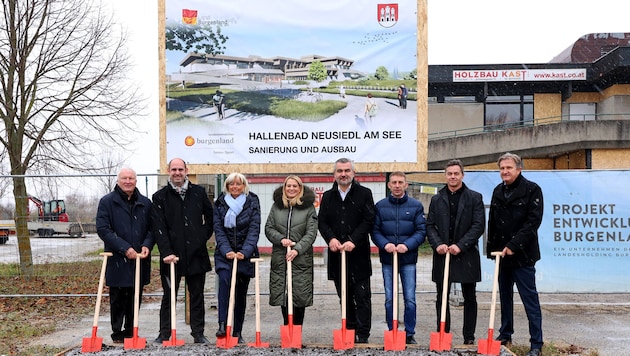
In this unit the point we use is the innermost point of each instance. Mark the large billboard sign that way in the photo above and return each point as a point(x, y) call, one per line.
point(585, 233)
point(292, 82)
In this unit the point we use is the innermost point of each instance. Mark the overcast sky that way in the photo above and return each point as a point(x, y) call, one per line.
point(460, 32)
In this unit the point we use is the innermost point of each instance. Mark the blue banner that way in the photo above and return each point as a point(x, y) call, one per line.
point(585, 233)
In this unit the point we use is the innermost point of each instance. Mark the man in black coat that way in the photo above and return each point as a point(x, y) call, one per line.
point(516, 212)
point(455, 223)
point(182, 225)
point(346, 217)
point(123, 223)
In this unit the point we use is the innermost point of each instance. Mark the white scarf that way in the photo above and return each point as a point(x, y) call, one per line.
point(236, 206)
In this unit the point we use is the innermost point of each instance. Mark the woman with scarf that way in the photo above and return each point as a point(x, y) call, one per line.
point(292, 222)
point(236, 230)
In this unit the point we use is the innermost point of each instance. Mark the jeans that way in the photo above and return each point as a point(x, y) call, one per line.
point(525, 279)
point(408, 280)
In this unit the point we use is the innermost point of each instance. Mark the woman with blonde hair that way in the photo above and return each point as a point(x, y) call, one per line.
point(292, 222)
point(236, 230)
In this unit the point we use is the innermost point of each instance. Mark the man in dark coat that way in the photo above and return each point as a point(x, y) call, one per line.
point(516, 212)
point(123, 223)
point(345, 220)
point(399, 227)
point(455, 222)
point(182, 225)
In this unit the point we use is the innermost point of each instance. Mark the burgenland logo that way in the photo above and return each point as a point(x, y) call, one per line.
point(189, 141)
point(387, 14)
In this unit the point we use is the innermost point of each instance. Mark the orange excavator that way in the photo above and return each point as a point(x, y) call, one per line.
point(51, 210)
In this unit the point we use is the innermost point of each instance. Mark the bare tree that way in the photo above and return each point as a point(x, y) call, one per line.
point(63, 94)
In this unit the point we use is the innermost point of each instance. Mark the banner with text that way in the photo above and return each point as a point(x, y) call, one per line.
point(291, 82)
point(585, 233)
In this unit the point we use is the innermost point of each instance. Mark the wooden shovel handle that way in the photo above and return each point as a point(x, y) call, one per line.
point(101, 282)
point(495, 286)
point(232, 293)
point(257, 282)
point(445, 285)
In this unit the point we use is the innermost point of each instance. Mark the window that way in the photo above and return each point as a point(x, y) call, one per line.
point(512, 110)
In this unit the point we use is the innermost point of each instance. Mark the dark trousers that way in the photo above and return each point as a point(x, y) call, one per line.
point(240, 299)
point(298, 315)
point(525, 280)
point(121, 311)
point(470, 309)
point(358, 305)
point(195, 284)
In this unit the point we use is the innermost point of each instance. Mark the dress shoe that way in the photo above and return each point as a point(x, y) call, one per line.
point(160, 339)
point(505, 341)
point(201, 340)
point(411, 340)
point(534, 352)
point(361, 340)
point(221, 330)
point(469, 342)
point(118, 341)
point(238, 335)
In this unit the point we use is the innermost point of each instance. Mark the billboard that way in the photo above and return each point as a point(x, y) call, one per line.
point(585, 232)
point(252, 84)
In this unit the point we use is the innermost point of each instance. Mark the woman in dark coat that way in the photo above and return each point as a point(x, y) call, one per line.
point(236, 230)
point(292, 222)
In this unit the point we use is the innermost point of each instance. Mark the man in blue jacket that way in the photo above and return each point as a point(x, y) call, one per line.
point(400, 226)
point(123, 223)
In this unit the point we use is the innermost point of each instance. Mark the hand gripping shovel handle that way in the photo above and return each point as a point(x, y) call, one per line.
point(95, 343)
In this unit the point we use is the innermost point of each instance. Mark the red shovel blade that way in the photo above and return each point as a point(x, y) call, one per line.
point(395, 340)
point(343, 338)
point(489, 346)
point(291, 336)
point(92, 344)
point(174, 341)
point(441, 341)
point(135, 342)
point(258, 343)
point(228, 341)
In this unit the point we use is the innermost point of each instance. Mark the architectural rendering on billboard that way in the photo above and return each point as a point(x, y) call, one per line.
point(288, 82)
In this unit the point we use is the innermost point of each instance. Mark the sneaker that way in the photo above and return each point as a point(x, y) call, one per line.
point(469, 342)
point(411, 340)
point(534, 352)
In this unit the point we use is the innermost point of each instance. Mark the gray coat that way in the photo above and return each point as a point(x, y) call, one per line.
point(303, 230)
point(469, 226)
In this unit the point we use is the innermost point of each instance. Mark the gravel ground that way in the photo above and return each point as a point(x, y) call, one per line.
point(276, 351)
